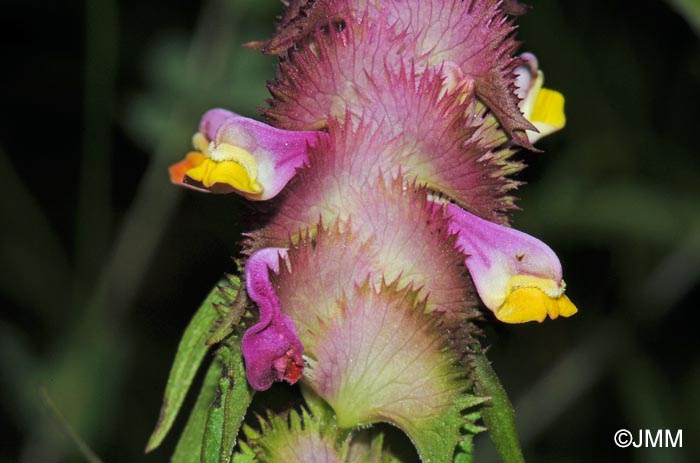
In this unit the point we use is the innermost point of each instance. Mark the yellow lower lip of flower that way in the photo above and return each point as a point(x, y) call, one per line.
point(210, 172)
point(528, 304)
point(549, 109)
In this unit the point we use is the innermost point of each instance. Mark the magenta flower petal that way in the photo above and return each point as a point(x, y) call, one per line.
point(278, 153)
point(212, 121)
point(517, 276)
point(271, 348)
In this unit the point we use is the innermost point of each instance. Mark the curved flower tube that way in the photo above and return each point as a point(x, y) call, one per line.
point(235, 154)
point(271, 348)
point(541, 106)
point(517, 276)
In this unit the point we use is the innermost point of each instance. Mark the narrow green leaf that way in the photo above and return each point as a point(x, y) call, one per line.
point(190, 354)
point(214, 427)
point(498, 414)
point(190, 441)
point(230, 404)
point(237, 401)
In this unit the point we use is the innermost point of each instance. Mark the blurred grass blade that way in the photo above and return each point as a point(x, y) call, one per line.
point(93, 226)
point(16, 388)
point(190, 354)
point(574, 373)
point(228, 408)
point(89, 455)
point(673, 279)
point(190, 442)
point(29, 246)
point(498, 414)
point(690, 10)
point(648, 400)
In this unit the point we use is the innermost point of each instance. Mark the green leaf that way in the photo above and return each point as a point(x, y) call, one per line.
point(213, 429)
point(237, 401)
point(190, 441)
point(190, 353)
point(498, 414)
point(229, 406)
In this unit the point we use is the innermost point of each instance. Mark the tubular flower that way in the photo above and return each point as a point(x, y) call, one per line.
point(241, 155)
point(271, 347)
point(518, 277)
point(541, 106)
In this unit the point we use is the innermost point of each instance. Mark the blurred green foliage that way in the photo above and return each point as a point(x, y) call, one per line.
point(104, 263)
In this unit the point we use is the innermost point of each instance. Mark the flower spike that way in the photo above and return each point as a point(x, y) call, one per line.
point(541, 106)
point(241, 155)
point(518, 277)
point(271, 348)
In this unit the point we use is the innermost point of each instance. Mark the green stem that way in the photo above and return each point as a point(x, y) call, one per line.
point(498, 414)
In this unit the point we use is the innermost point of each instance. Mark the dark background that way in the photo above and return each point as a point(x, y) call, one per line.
point(103, 262)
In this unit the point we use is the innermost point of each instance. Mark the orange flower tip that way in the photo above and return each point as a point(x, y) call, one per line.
point(178, 171)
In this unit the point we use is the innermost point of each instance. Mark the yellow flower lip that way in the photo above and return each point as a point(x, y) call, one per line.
point(549, 109)
point(529, 298)
point(543, 107)
point(210, 172)
point(214, 167)
point(229, 165)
